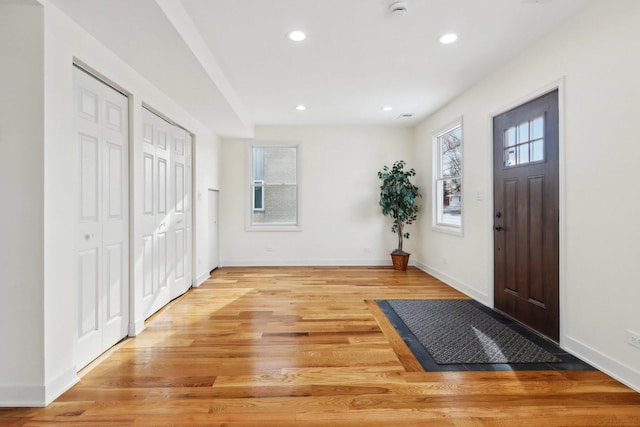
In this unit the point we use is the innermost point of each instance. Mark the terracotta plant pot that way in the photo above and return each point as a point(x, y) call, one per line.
point(400, 262)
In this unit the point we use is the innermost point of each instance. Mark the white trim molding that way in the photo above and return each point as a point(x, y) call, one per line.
point(37, 395)
point(454, 283)
point(201, 279)
point(308, 263)
point(621, 372)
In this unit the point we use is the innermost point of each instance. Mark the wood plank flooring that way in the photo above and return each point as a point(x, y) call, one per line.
point(308, 346)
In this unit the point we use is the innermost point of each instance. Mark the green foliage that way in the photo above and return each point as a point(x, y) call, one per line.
point(398, 198)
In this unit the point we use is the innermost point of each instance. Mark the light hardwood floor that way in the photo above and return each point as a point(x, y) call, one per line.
point(308, 346)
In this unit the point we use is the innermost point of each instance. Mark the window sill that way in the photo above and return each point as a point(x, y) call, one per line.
point(448, 229)
point(274, 227)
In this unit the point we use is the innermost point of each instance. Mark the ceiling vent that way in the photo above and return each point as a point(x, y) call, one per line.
point(398, 7)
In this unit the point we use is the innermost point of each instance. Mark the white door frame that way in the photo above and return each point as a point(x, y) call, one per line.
point(214, 193)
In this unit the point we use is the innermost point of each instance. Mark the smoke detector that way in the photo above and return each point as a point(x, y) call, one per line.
point(398, 7)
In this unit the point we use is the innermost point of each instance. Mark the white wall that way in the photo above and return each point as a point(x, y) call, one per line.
point(21, 190)
point(597, 54)
point(207, 172)
point(39, 171)
point(339, 193)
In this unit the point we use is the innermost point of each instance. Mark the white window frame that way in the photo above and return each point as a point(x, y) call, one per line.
point(250, 205)
point(438, 225)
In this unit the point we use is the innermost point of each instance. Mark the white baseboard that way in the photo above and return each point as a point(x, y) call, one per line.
point(136, 328)
point(37, 396)
point(61, 384)
point(454, 283)
point(621, 372)
point(22, 396)
point(201, 279)
point(306, 263)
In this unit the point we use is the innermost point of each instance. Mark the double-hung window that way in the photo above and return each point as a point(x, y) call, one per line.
point(274, 187)
point(447, 179)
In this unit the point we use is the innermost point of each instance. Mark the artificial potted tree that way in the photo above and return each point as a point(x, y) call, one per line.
point(398, 200)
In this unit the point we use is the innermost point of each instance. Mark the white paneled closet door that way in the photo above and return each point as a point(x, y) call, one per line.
point(102, 140)
point(182, 220)
point(156, 264)
point(167, 231)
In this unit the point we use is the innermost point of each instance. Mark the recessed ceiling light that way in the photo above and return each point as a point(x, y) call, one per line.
point(297, 36)
point(448, 38)
point(387, 108)
point(300, 107)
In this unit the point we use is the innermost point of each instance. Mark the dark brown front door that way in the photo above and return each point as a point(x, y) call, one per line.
point(526, 214)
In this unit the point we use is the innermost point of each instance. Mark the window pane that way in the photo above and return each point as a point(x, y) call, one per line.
point(523, 132)
point(449, 201)
point(510, 156)
point(537, 152)
point(279, 165)
point(280, 205)
point(451, 152)
point(523, 154)
point(258, 163)
point(510, 137)
point(537, 127)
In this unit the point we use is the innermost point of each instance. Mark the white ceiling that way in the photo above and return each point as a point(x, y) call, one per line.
point(230, 63)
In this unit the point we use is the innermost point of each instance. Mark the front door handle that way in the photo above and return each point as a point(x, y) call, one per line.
point(498, 227)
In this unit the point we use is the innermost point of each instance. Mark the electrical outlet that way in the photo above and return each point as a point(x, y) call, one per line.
point(633, 338)
point(269, 249)
point(367, 249)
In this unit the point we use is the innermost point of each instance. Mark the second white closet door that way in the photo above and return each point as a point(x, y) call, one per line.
point(166, 237)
